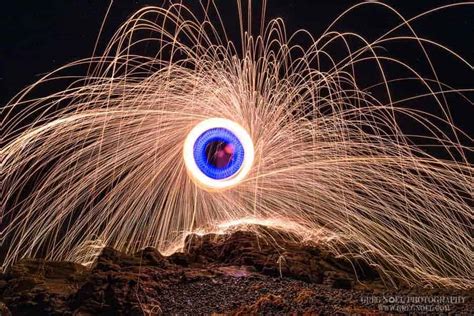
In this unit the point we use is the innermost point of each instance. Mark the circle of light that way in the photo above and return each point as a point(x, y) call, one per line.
point(197, 175)
point(218, 134)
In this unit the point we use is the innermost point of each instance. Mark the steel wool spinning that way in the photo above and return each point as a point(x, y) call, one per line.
point(218, 153)
point(199, 133)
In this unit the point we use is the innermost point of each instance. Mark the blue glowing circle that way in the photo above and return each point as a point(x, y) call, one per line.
point(223, 137)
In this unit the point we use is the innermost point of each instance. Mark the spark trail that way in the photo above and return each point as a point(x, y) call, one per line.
point(102, 161)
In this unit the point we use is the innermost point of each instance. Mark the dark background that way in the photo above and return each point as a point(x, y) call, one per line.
point(39, 36)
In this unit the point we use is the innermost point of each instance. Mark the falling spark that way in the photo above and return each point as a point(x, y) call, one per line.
point(103, 159)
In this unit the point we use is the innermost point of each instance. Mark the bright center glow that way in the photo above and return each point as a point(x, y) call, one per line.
point(218, 154)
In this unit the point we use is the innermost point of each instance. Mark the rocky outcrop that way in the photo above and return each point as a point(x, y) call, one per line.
point(238, 273)
point(279, 257)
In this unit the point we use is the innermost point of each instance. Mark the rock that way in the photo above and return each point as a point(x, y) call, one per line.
point(4, 311)
point(304, 296)
point(35, 287)
point(238, 273)
point(274, 257)
point(265, 305)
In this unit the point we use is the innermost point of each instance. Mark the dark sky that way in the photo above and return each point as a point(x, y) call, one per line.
point(39, 36)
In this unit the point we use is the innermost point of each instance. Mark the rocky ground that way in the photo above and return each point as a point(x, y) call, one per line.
point(238, 274)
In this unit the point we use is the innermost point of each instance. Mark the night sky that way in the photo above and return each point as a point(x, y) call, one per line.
point(39, 36)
